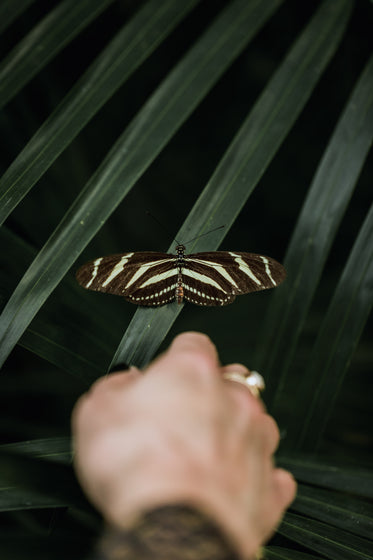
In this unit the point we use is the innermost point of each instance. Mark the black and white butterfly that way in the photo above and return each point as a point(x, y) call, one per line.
point(154, 279)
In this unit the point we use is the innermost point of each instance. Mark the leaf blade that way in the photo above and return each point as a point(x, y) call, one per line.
point(44, 41)
point(127, 160)
point(324, 539)
point(243, 165)
point(10, 10)
point(336, 509)
point(125, 52)
point(344, 322)
point(312, 239)
point(322, 473)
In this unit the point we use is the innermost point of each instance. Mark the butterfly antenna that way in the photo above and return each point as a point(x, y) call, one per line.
point(203, 234)
point(161, 225)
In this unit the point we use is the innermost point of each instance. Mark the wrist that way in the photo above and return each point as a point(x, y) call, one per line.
point(171, 481)
point(172, 531)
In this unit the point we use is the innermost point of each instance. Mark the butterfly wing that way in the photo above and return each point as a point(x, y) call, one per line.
point(211, 278)
point(216, 278)
point(144, 278)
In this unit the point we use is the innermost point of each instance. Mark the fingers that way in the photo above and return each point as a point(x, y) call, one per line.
point(285, 487)
point(267, 435)
point(241, 394)
point(239, 368)
point(196, 349)
point(281, 491)
point(191, 355)
point(101, 393)
point(115, 381)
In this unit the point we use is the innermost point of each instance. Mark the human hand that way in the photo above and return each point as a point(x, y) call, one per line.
point(181, 434)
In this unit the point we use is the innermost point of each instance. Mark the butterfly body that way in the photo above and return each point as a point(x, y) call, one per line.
point(154, 279)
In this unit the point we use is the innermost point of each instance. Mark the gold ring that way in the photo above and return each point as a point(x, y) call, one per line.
point(252, 381)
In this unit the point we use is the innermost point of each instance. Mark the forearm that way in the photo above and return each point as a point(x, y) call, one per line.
point(170, 532)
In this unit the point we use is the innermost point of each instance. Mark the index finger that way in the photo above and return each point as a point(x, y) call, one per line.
point(190, 354)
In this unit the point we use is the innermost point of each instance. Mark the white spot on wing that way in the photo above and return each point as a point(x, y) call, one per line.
point(144, 268)
point(268, 269)
point(156, 278)
point(118, 268)
point(94, 272)
point(217, 267)
point(245, 268)
point(201, 278)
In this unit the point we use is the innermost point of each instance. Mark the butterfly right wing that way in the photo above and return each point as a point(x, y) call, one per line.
point(217, 277)
point(144, 278)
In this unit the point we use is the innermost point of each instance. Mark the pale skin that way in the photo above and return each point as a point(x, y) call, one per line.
point(182, 434)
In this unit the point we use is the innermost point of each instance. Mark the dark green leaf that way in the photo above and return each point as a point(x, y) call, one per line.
point(10, 10)
point(58, 334)
point(170, 105)
point(49, 481)
point(13, 499)
point(324, 539)
point(55, 449)
point(244, 163)
point(24, 546)
point(281, 553)
point(310, 245)
point(44, 41)
point(27, 494)
point(336, 508)
point(338, 337)
point(125, 52)
point(348, 479)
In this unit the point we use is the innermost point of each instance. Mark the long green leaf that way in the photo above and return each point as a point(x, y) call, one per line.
point(244, 163)
point(338, 337)
point(13, 499)
point(311, 242)
point(44, 41)
point(87, 361)
point(80, 351)
point(54, 449)
point(335, 508)
point(48, 480)
point(351, 480)
point(56, 546)
point(18, 498)
point(162, 115)
point(281, 553)
point(10, 10)
point(127, 50)
point(324, 539)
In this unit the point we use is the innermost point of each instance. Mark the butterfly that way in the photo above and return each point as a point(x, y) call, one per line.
point(153, 279)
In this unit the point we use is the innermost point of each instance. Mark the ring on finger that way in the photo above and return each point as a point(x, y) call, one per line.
point(252, 381)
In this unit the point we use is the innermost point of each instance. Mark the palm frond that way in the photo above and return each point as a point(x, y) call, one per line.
point(281, 66)
point(126, 51)
point(243, 164)
point(130, 156)
point(44, 41)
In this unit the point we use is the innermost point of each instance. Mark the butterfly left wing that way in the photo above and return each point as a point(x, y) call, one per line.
point(145, 278)
point(216, 278)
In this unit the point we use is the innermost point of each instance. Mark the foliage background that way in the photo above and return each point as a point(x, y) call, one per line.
point(75, 335)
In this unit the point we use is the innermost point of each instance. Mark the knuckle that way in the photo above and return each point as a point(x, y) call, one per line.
point(287, 486)
point(239, 368)
point(98, 384)
point(80, 409)
point(192, 337)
